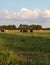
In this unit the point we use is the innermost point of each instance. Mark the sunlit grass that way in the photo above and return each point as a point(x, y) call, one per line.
point(17, 48)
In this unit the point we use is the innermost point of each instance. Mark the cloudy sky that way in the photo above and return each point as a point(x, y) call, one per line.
point(25, 12)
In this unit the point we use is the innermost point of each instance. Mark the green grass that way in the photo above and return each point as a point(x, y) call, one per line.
point(28, 48)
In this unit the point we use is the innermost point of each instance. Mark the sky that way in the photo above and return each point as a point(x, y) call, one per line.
point(16, 12)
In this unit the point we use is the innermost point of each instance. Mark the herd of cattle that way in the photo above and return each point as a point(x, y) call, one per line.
point(24, 30)
point(2, 30)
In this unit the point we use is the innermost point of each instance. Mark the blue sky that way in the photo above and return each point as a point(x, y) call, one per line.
point(10, 6)
point(15, 5)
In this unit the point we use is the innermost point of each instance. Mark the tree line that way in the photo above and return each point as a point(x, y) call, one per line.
point(23, 27)
point(30, 27)
point(9, 27)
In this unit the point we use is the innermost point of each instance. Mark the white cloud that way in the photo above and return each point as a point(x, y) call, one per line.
point(28, 14)
point(25, 14)
point(46, 14)
point(5, 14)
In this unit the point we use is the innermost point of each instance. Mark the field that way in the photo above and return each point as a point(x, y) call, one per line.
point(25, 48)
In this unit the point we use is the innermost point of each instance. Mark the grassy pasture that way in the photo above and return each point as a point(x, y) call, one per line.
point(25, 48)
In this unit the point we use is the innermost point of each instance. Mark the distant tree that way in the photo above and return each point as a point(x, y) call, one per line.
point(35, 27)
point(9, 27)
point(21, 26)
point(13, 27)
point(38, 27)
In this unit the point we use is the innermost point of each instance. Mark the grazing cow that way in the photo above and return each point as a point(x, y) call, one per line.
point(2, 30)
point(21, 30)
point(24, 30)
point(31, 30)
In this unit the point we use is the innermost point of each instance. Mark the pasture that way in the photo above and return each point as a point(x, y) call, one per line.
point(24, 48)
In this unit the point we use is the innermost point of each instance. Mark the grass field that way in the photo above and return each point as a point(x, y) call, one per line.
point(24, 48)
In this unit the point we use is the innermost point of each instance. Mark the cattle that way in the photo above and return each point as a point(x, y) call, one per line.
point(31, 30)
point(25, 30)
point(2, 30)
